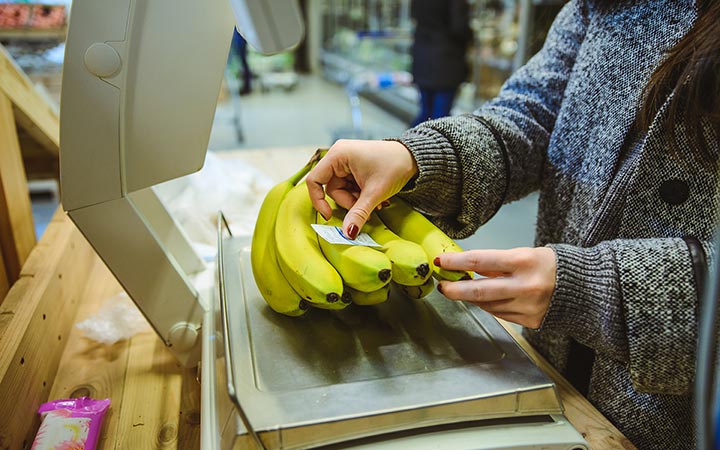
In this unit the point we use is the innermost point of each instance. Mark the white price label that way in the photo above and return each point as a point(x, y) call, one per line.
point(334, 235)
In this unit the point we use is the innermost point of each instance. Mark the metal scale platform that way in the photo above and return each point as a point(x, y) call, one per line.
point(403, 374)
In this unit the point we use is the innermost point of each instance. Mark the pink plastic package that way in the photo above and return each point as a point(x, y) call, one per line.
point(71, 424)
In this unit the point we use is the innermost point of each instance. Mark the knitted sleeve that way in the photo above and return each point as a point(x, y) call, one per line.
point(636, 301)
point(470, 165)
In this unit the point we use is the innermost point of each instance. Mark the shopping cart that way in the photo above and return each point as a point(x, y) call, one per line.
point(363, 82)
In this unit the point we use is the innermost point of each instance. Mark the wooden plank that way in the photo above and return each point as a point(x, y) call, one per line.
point(101, 371)
point(4, 282)
point(34, 34)
point(189, 420)
point(149, 416)
point(59, 229)
point(35, 114)
point(595, 428)
point(39, 164)
point(17, 232)
point(27, 130)
point(88, 368)
point(35, 319)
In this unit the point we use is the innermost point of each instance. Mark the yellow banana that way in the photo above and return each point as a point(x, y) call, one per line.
point(410, 264)
point(410, 224)
point(362, 268)
point(369, 298)
point(299, 254)
point(273, 286)
point(416, 292)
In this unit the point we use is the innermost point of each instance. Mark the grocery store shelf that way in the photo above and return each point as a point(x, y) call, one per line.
point(497, 62)
point(396, 100)
point(33, 34)
point(339, 69)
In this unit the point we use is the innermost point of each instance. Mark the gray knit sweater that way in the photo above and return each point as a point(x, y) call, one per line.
point(619, 209)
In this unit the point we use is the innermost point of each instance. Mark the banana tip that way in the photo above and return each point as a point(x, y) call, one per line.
point(423, 269)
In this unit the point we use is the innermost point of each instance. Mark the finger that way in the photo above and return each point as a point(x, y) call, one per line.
point(477, 261)
point(359, 213)
point(328, 168)
point(318, 201)
point(315, 181)
point(338, 190)
point(479, 289)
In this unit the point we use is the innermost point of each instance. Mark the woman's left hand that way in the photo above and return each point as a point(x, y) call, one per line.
point(518, 285)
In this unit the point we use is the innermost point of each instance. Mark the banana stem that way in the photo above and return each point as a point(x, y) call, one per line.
point(316, 157)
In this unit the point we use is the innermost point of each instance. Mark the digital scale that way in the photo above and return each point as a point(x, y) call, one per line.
point(140, 84)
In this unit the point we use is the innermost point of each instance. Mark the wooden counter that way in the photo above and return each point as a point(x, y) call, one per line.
point(155, 403)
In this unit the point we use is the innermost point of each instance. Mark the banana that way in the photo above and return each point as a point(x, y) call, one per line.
point(410, 224)
point(362, 268)
point(299, 254)
point(369, 298)
point(416, 292)
point(410, 263)
point(273, 286)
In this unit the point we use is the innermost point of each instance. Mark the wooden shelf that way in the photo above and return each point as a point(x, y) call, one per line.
point(28, 126)
point(33, 34)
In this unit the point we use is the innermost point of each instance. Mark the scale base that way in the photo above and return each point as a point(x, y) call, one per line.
point(407, 374)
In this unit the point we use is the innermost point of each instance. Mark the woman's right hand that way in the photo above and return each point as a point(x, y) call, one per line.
point(359, 176)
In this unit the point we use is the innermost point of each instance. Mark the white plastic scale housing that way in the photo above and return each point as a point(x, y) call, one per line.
point(140, 83)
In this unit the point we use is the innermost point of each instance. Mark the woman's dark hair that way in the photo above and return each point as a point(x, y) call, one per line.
point(691, 71)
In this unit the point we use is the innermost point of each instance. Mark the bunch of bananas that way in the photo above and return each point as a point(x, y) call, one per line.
point(295, 269)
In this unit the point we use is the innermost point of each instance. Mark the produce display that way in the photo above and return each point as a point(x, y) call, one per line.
point(14, 15)
point(35, 16)
point(295, 269)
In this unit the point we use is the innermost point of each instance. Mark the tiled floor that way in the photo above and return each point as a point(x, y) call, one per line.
point(314, 112)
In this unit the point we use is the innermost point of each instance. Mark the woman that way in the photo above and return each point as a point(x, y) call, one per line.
point(616, 122)
point(439, 66)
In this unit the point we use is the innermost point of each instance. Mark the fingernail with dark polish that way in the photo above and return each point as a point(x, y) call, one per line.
point(352, 231)
point(439, 288)
point(436, 261)
point(385, 204)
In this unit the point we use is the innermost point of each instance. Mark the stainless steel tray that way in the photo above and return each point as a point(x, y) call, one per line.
point(333, 376)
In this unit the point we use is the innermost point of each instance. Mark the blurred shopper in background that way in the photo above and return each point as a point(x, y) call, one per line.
point(239, 48)
point(616, 121)
point(439, 65)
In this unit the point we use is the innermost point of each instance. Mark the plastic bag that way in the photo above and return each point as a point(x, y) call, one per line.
point(230, 185)
point(70, 424)
point(117, 319)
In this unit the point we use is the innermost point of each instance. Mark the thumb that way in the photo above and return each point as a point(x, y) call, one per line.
point(358, 215)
